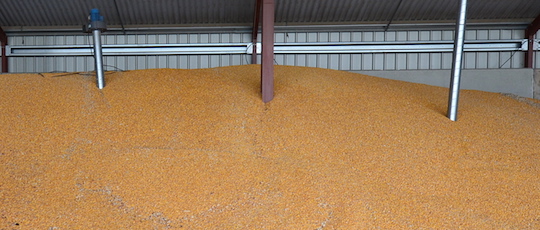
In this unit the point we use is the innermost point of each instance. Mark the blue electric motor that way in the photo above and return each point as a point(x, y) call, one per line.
point(95, 22)
point(95, 15)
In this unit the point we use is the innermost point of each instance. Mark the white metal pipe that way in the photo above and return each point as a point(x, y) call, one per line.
point(98, 59)
point(457, 62)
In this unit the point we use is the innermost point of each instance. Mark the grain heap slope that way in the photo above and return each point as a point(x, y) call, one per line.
point(197, 149)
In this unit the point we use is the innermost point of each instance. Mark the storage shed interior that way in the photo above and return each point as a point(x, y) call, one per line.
point(179, 138)
point(372, 37)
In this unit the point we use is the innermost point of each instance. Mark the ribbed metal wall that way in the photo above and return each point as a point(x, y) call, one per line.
point(377, 61)
point(81, 64)
point(352, 62)
point(401, 61)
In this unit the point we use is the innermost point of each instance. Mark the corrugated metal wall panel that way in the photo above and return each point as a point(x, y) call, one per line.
point(356, 62)
point(411, 61)
point(82, 64)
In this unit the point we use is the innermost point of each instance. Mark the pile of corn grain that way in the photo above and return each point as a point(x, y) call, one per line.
point(197, 149)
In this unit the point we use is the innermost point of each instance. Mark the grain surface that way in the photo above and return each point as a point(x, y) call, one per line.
point(197, 149)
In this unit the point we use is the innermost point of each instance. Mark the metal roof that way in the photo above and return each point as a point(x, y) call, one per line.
point(70, 13)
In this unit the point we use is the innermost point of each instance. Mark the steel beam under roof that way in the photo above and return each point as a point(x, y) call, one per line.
point(532, 29)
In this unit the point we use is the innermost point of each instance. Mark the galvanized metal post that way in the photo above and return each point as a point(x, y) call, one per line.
point(267, 61)
point(457, 62)
point(98, 56)
point(97, 26)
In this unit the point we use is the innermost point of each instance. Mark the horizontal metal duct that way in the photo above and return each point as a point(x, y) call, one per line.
point(401, 47)
point(128, 50)
point(279, 48)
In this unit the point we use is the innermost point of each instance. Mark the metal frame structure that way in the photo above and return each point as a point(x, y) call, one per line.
point(531, 30)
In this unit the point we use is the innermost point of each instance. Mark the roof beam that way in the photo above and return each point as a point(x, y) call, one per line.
point(4, 42)
point(531, 30)
point(267, 61)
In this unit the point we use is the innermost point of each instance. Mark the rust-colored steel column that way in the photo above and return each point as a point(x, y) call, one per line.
point(267, 61)
point(255, 31)
point(4, 42)
point(532, 29)
point(529, 56)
